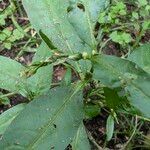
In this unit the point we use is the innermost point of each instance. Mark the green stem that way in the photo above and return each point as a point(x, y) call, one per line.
point(134, 131)
point(7, 95)
point(104, 44)
point(139, 38)
point(18, 26)
point(23, 49)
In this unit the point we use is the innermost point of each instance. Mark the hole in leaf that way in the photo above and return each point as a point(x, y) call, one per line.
point(54, 125)
point(52, 147)
point(81, 6)
point(96, 29)
point(69, 9)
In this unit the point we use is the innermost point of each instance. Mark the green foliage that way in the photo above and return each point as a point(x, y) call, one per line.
point(41, 81)
point(10, 76)
point(112, 98)
point(4, 100)
point(14, 73)
point(130, 77)
point(121, 37)
point(80, 140)
point(8, 116)
point(50, 117)
point(54, 117)
point(91, 110)
point(109, 127)
point(141, 57)
point(124, 24)
point(5, 13)
point(11, 32)
point(7, 37)
point(142, 3)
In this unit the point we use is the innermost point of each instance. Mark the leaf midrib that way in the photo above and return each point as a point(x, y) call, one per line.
point(122, 75)
point(51, 120)
point(58, 28)
point(90, 28)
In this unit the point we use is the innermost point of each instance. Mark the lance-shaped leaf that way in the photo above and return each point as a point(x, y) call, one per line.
point(68, 24)
point(8, 116)
point(40, 82)
point(116, 72)
point(10, 75)
point(49, 122)
point(80, 141)
point(42, 53)
point(139, 95)
point(110, 127)
point(141, 56)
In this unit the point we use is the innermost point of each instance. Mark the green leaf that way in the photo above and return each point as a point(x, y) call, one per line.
point(7, 32)
point(42, 53)
point(40, 82)
point(8, 116)
point(10, 75)
point(50, 121)
point(4, 100)
point(116, 72)
point(46, 40)
point(135, 15)
point(11, 39)
point(142, 2)
point(110, 127)
point(7, 45)
point(2, 20)
point(109, 70)
point(112, 99)
point(69, 27)
point(146, 25)
point(68, 77)
point(121, 37)
point(141, 56)
point(102, 17)
point(80, 141)
point(2, 36)
point(92, 110)
point(119, 8)
point(17, 34)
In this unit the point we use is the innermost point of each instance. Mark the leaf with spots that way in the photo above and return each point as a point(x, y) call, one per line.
point(141, 56)
point(69, 24)
point(49, 121)
point(40, 82)
point(8, 116)
point(116, 72)
point(80, 141)
point(10, 75)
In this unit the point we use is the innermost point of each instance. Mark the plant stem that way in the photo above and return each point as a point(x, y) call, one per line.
point(7, 95)
point(134, 130)
point(23, 49)
point(93, 141)
point(139, 38)
point(104, 44)
point(18, 26)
